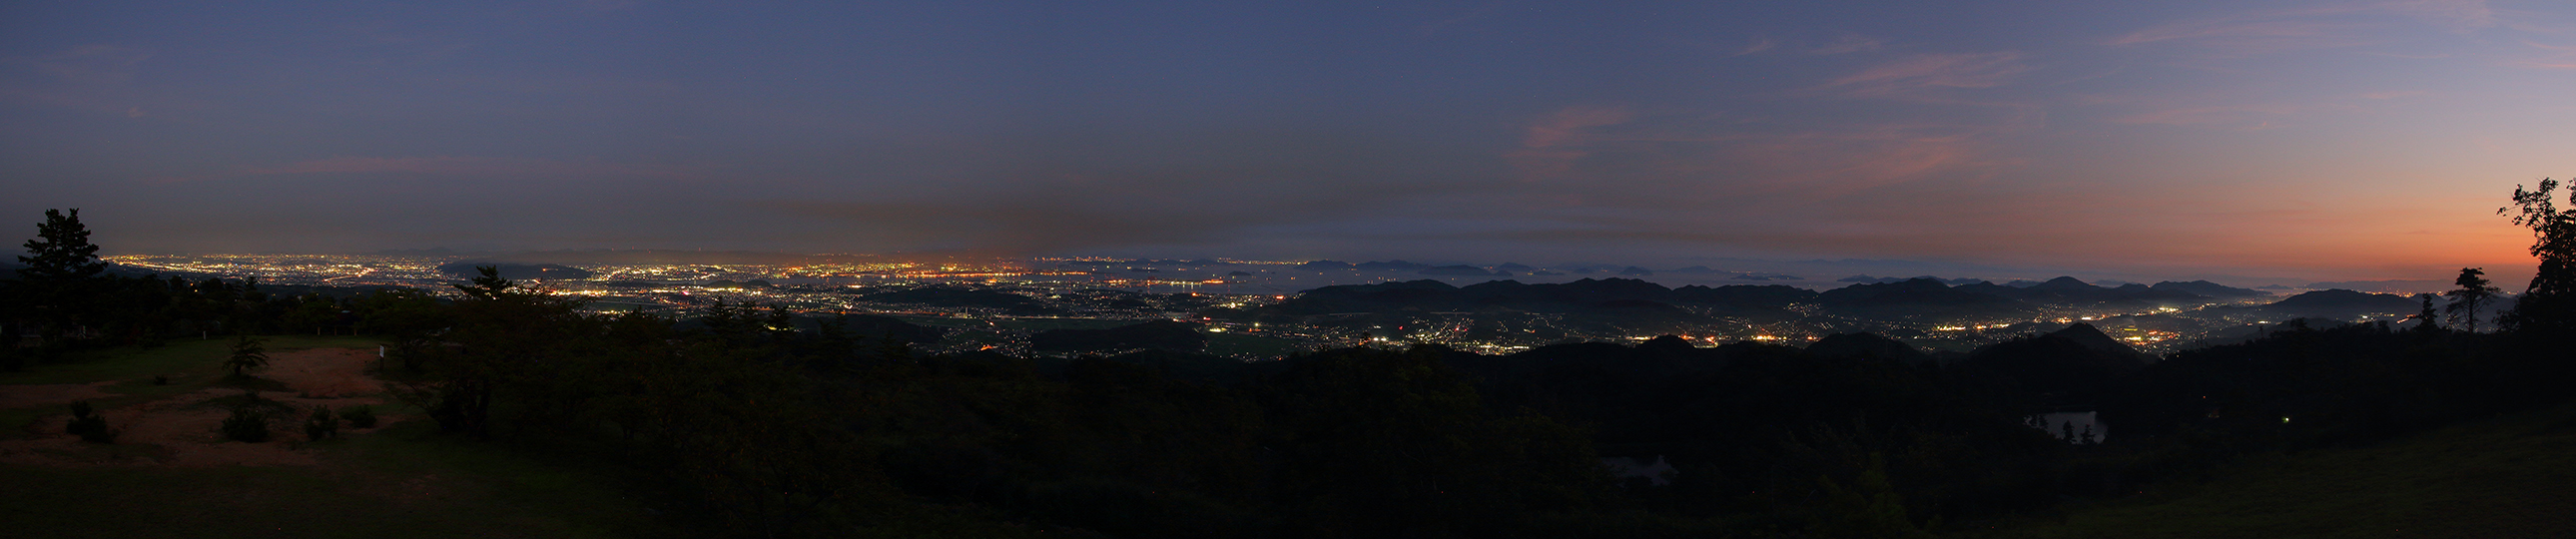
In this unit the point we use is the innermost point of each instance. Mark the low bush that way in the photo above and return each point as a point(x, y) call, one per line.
point(322, 424)
point(88, 425)
point(249, 422)
point(359, 416)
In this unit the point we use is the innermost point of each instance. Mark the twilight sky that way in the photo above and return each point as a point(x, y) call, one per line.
point(2331, 140)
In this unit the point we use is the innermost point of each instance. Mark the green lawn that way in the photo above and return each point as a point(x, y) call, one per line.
point(2510, 477)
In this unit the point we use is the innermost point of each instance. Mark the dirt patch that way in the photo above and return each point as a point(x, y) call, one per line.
point(185, 431)
point(30, 396)
point(324, 372)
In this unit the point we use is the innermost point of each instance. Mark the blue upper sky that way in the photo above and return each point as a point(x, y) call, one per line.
point(2331, 139)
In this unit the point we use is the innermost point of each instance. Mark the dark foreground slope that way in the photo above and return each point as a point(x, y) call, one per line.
point(2506, 477)
point(738, 424)
point(400, 480)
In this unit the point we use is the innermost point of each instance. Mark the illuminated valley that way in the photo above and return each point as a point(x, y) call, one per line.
point(1236, 303)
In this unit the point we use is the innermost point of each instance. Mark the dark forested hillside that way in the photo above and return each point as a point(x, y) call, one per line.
point(736, 424)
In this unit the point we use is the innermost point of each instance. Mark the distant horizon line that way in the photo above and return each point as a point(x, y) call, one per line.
point(1665, 273)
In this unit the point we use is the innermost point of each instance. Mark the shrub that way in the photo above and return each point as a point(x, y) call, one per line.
point(249, 422)
point(359, 416)
point(322, 424)
point(161, 380)
point(88, 425)
point(249, 354)
point(80, 411)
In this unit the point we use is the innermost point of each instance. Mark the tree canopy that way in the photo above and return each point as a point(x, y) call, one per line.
point(2549, 304)
point(61, 250)
point(2474, 293)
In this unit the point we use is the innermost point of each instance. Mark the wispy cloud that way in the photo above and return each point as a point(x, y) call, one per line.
point(2253, 34)
point(2461, 16)
point(1568, 125)
point(1826, 164)
point(2333, 26)
point(1687, 163)
point(1847, 44)
point(2552, 57)
point(2250, 116)
point(1758, 45)
point(1932, 72)
point(1551, 145)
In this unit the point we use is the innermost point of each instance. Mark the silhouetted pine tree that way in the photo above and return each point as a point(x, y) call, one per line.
point(2474, 293)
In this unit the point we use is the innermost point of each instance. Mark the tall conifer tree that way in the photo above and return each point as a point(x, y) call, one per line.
point(2474, 293)
point(61, 250)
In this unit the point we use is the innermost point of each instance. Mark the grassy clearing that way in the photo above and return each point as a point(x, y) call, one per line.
point(192, 359)
point(191, 365)
point(402, 481)
point(15, 422)
point(2508, 477)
